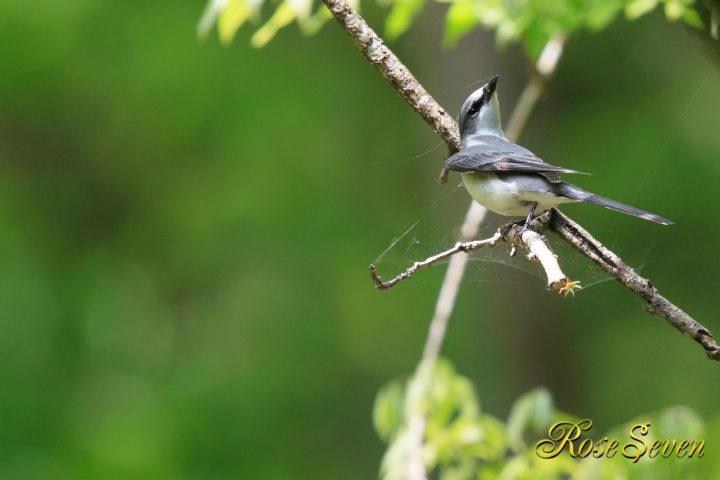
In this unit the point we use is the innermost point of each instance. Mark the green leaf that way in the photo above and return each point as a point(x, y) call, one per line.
point(401, 17)
point(312, 24)
point(459, 21)
point(638, 8)
point(282, 17)
point(602, 13)
point(233, 16)
point(691, 18)
point(534, 41)
point(678, 422)
point(463, 470)
point(388, 409)
point(213, 9)
point(494, 444)
point(449, 396)
point(394, 462)
point(302, 8)
point(531, 413)
point(508, 31)
point(674, 9)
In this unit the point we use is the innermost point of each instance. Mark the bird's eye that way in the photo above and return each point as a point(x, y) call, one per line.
point(475, 108)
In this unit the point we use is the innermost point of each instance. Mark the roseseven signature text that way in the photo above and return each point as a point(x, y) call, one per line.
point(565, 436)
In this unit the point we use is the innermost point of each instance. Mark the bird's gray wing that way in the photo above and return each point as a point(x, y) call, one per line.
point(498, 155)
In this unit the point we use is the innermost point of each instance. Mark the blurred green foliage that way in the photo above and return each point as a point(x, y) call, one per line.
point(532, 22)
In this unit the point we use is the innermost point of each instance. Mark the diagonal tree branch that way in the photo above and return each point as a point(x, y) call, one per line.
point(657, 304)
point(395, 72)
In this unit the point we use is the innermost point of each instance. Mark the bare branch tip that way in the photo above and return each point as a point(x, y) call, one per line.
point(379, 284)
point(714, 354)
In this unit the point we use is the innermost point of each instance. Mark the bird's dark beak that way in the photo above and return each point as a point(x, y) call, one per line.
point(492, 85)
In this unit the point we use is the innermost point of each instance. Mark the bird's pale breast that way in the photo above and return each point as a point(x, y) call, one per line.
point(506, 197)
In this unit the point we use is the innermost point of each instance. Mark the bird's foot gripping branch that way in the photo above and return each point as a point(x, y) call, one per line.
point(529, 239)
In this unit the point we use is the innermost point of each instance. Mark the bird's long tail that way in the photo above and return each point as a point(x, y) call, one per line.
point(571, 191)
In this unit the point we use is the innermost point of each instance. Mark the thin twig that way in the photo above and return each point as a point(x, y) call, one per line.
point(540, 250)
point(543, 69)
point(451, 284)
point(459, 247)
point(531, 240)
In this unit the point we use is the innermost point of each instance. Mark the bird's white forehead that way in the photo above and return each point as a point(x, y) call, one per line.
point(477, 94)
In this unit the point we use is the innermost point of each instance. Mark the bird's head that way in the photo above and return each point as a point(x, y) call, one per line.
point(480, 114)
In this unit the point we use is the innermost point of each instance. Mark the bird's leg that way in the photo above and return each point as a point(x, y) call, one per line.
point(529, 218)
point(524, 227)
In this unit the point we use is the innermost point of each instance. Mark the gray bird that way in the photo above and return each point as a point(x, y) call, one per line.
point(508, 179)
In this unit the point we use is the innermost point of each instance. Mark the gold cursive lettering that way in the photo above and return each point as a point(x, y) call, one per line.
point(630, 447)
point(566, 435)
point(560, 435)
point(697, 447)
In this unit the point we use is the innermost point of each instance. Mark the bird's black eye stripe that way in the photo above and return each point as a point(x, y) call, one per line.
point(475, 107)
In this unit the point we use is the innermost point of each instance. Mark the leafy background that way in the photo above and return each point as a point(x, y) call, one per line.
point(185, 230)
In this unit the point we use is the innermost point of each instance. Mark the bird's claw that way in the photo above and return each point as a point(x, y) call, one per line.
point(518, 234)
